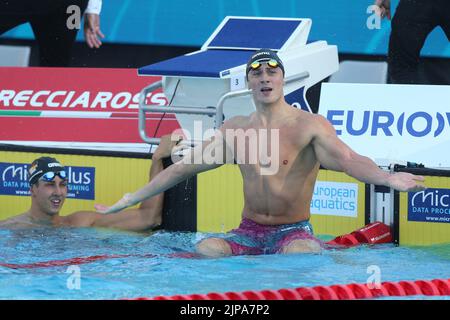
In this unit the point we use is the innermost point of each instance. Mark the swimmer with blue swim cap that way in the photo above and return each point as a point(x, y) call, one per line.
point(49, 179)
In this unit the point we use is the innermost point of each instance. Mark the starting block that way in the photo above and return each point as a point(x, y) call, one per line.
point(211, 82)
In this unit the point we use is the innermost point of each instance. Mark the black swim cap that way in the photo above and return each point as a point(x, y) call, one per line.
point(264, 55)
point(41, 166)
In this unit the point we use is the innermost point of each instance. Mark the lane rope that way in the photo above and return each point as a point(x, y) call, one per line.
point(352, 291)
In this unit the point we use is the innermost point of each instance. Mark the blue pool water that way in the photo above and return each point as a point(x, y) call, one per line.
point(140, 275)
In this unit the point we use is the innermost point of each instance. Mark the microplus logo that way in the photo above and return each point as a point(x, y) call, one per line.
point(14, 181)
point(385, 123)
point(430, 205)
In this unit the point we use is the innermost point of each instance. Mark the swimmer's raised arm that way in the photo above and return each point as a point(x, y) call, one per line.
point(191, 164)
point(335, 155)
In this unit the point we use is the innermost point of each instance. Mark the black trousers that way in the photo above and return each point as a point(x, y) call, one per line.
point(48, 19)
point(412, 23)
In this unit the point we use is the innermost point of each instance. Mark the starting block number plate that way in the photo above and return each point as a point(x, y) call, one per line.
point(237, 82)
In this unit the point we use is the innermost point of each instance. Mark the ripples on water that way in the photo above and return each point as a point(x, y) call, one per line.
point(149, 269)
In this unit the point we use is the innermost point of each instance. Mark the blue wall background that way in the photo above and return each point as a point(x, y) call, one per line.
point(190, 22)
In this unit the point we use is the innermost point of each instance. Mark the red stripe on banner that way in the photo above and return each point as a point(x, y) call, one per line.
point(81, 130)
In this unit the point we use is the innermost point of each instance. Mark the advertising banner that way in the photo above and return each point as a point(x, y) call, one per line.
point(335, 199)
point(397, 122)
point(14, 181)
point(431, 205)
point(78, 107)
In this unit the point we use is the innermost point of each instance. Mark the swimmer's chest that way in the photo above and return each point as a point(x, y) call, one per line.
point(282, 147)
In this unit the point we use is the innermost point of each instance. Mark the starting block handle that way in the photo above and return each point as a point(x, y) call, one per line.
point(217, 112)
point(144, 108)
point(142, 105)
point(220, 104)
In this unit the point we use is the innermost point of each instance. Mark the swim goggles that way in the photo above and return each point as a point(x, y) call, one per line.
point(257, 64)
point(50, 176)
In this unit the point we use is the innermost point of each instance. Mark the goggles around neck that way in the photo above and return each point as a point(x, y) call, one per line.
point(50, 176)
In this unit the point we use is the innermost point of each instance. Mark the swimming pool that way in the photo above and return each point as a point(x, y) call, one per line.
point(147, 265)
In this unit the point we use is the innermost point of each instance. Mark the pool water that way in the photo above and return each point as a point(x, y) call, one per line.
point(147, 265)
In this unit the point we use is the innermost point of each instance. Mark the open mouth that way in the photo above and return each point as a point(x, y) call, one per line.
point(56, 202)
point(266, 89)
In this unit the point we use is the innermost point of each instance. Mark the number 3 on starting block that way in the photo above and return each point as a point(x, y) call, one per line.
point(237, 82)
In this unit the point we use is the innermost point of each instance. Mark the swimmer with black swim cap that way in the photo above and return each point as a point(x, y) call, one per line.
point(277, 198)
point(46, 169)
point(48, 188)
point(264, 56)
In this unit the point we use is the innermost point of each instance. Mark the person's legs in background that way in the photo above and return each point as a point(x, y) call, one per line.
point(411, 24)
point(54, 37)
point(443, 12)
point(14, 13)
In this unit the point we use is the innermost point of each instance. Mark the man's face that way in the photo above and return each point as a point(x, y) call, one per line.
point(266, 83)
point(50, 195)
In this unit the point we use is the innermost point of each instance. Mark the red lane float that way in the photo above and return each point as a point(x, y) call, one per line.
point(427, 288)
point(393, 289)
point(360, 291)
point(437, 287)
point(443, 286)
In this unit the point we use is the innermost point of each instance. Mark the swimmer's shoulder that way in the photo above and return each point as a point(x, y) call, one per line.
point(7, 223)
point(17, 222)
point(312, 120)
point(14, 219)
point(309, 124)
point(322, 125)
point(80, 219)
point(236, 122)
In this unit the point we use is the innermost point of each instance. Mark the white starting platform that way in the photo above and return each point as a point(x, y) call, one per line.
point(211, 82)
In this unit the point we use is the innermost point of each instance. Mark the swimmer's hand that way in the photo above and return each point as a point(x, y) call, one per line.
point(384, 8)
point(118, 206)
point(407, 182)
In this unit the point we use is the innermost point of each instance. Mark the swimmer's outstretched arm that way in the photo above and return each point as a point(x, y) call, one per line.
point(149, 213)
point(335, 155)
point(169, 177)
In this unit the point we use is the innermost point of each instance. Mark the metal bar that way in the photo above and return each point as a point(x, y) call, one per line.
point(298, 77)
point(218, 111)
point(180, 109)
point(147, 90)
point(141, 121)
point(144, 108)
point(220, 104)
